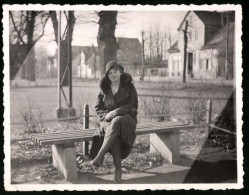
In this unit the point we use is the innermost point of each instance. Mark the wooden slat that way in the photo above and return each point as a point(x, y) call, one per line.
point(38, 139)
point(63, 134)
point(67, 134)
point(139, 126)
point(89, 138)
point(65, 141)
point(87, 134)
point(59, 138)
point(154, 128)
point(168, 129)
point(168, 123)
point(161, 125)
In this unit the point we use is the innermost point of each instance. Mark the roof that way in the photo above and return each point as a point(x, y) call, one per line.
point(174, 48)
point(121, 40)
point(129, 50)
point(186, 15)
point(207, 17)
point(218, 37)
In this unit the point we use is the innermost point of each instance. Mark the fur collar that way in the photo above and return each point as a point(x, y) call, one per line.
point(125, 82)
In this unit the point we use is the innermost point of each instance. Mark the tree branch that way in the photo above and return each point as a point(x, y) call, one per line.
point(43, 29)
point(16, 29)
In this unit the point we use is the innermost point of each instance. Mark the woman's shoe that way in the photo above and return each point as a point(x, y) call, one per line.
point(117, 176)
point(95, 165)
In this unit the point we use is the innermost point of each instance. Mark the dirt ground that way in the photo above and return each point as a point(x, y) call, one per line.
point(198, 163)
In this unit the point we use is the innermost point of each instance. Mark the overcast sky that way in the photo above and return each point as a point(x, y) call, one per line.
point(130, 24)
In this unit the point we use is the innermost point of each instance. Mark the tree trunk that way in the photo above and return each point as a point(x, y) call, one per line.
point(106, 38)
point(185, 51)
point(28, 67)
point(23, 69)
point(55, 24)
point(94, 62)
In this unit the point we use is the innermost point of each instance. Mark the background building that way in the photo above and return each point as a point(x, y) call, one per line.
point(210, 46)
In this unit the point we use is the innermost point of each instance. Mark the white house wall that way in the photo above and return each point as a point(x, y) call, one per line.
point(196, 59)
point(84, 70)
point(173, 70)
point(195, 26)
point(209, 72)
point(195, 43)
point(196, 39)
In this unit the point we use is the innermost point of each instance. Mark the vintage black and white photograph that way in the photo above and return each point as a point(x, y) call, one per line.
point(129, 97)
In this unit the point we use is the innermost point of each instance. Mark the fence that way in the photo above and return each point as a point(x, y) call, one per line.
point(86, 120)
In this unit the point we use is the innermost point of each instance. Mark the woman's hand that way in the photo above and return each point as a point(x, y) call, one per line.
point(110, 116)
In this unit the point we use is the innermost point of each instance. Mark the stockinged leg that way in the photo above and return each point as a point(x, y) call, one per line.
point(64, 158)
point(167, 144)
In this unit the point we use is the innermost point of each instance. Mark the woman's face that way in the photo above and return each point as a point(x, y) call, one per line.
point(114, 74)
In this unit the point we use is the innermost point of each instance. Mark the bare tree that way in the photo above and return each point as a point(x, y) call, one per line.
point(26, 28)
point(156, 44)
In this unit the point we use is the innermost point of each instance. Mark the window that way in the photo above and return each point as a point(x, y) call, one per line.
point(194, 58)
point(207, 64)
point(154, 72)
point(196, 35)
point(190, 35)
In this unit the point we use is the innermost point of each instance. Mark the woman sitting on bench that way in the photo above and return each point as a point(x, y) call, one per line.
point(117, 111)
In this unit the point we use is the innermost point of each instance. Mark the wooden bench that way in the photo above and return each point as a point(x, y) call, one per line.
point(164, 138)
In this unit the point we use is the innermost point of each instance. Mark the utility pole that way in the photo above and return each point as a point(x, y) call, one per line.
point(80, 61)
point(69, 58)
point(185, 51)
point(142, 76)
point(59, 61)
point(150, 45)
point(227, 46)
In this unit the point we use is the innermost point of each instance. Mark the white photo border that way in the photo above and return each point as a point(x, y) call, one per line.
point(94, 187)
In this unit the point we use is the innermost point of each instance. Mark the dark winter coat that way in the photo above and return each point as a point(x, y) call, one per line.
point(124, 105)
point(124, 102)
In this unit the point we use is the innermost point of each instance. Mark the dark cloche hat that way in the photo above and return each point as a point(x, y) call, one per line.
point(112, 64)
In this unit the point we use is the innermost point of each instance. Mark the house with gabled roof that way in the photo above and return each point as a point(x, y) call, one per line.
point(86, 60)
point(210, 47)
